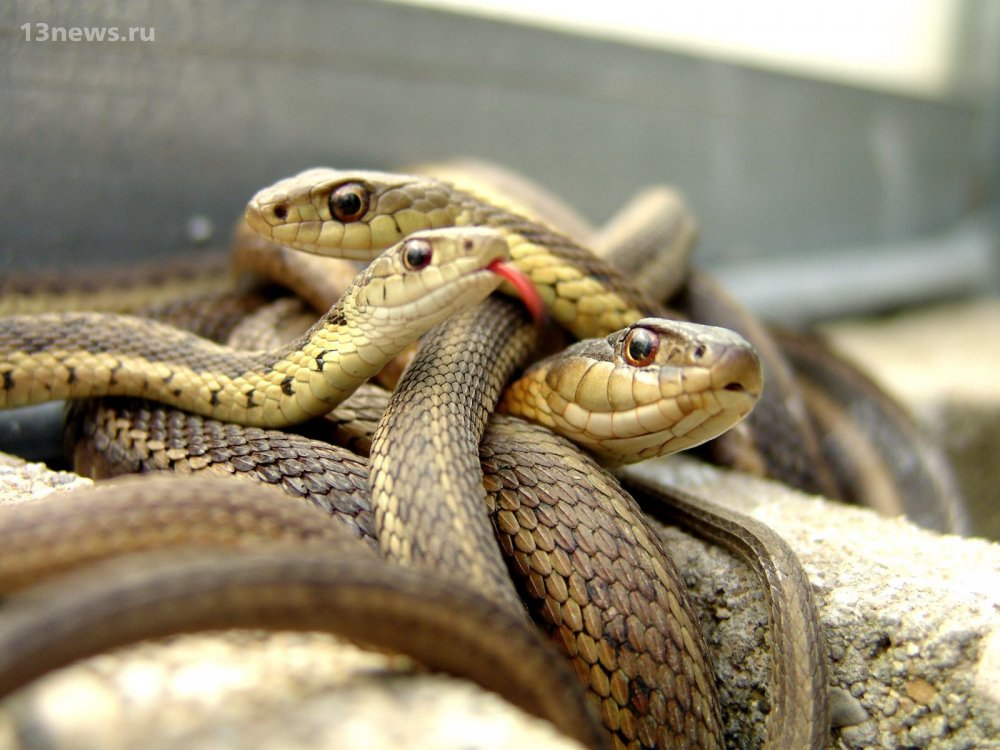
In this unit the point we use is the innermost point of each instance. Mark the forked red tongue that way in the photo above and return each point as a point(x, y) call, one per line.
point(525, 289)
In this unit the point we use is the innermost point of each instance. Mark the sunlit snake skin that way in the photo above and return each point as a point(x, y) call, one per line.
point(76, 355)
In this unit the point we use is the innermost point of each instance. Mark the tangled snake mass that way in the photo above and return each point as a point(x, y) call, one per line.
point(432, 385)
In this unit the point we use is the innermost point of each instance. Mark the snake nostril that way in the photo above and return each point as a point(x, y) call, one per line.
point(280, 211)
point(734, 386)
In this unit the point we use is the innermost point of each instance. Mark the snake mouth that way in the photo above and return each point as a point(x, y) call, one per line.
point(523, 286)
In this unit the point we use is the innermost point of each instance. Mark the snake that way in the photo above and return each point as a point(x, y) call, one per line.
point(353, 213)
point(606, 395)
point(821, 425)
point(400, 295)
point(574, 541)
point(638, 727)
point(330, 212)
point(540, 267)
point(327, 211)
point(292, 570)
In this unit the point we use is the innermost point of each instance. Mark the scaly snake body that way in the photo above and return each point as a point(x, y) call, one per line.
point(296, 572)
point(587, 562)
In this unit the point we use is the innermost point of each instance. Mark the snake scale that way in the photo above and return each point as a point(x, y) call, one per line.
point(631, 725)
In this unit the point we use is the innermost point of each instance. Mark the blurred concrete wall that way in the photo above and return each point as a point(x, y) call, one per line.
point(109, 150)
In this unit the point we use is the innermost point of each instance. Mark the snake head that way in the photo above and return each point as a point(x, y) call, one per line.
point(348, 214)
point(428, 277)
point(653, 388)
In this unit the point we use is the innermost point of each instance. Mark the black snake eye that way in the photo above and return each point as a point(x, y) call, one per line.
point(349, 202)
point(640, 347)
point(417, 254)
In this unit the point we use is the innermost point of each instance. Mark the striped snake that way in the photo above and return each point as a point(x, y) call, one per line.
point(401, 295)
point(590, 300)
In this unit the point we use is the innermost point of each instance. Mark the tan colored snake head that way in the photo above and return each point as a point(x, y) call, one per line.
point(428, 277)
point(656, 387)
point(348, 214)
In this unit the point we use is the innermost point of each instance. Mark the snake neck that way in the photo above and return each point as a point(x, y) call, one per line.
point(324, 366)
point(78, 355)
point(584, 294)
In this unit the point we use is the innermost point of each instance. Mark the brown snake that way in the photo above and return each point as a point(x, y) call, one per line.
point(552, 552)
point(583, 555)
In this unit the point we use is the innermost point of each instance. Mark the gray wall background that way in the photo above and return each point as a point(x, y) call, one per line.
point(109, 150)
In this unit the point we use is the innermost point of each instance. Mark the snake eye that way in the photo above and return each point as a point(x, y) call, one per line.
point(349, 202)
point(417, 254)
point(640, 347)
